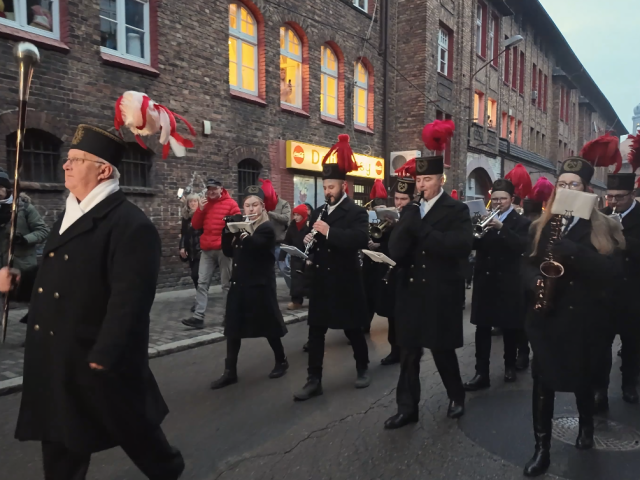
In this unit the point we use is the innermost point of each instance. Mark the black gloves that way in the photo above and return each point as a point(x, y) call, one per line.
point(18, 239)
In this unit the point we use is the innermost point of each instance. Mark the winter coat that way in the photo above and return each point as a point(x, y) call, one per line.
point(280, 219)
point(337, 299)
point(211, 220)
point(299, 281)
point(190, 239)
point(90, 303)
point(31, 226)
point(385, 290)
point(252, 303)
point(498, 295)
point(430, 255)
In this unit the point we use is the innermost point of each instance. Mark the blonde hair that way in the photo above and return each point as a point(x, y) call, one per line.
point(186, 211)
point(606, 233)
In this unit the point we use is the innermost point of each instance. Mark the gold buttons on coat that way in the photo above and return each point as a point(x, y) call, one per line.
point(56, 295)
point(411, 280)
point(51, 254)
point(51, 333)
point(235, 264)
point(66, 257)
point(40, 290)
point(36, 327)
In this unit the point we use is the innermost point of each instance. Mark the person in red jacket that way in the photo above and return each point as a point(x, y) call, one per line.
point(209, 217)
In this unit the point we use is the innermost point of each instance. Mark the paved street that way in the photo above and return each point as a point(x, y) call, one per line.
point(253, 430)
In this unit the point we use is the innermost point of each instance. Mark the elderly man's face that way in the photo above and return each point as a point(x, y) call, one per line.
point(214, 192)
point(83, 172)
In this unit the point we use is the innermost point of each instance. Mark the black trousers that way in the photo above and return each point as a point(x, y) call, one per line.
point(510, 336)
point(153, 456)
point(316, 349)
point(233, 349)
point(391, 334)
point(194, 265)
point(523, 343)
point(408, 391)
point(630, 366)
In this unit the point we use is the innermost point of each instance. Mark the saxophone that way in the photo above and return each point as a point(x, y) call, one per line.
point(550, 268)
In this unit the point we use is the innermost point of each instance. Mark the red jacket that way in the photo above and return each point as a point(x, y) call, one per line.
point(211, 220)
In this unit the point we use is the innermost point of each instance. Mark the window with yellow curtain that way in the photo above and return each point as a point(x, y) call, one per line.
point(290, 68)
point(243, 49)
point(329, 88)
point(360, 93)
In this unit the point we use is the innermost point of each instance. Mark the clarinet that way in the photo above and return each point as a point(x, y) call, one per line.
point(313, 241)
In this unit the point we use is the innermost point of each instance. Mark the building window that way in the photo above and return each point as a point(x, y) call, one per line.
point(481, 15)
point(493, 113)
point(505, 125)
point(360, 97)
point(124, 29)
point(519, 133)
point(135, 169)
point(533, 141)
point(543, 146)
point(329, 87)
point(507, 63)
point(540, 86)
point(544, 87)
point(535, 97)
point(562, 103)
point(512, 129)
point(445, 52)
point(447, 150)
point(478, 107)
point(290, 68)
point(41, 156)
point(514, 71)
point(243, 50)
point(361, 4)
point(566, 107)
point(522, 73)
point(248, 173)
point(35, 16)
point(494, 34)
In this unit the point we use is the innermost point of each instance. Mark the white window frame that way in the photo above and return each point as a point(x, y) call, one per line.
point(362, 86)
point(443, 46)
point(356, 3)
point(326, 73)
point(241, 38)
point(20, 21)
point(298, 58)
point(121, 33)
point(479, 29)
point(491, 37)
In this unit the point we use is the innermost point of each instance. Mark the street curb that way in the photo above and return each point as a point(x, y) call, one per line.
point(14, 385)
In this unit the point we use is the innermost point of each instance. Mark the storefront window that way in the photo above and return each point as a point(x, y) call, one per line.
point(304, 190)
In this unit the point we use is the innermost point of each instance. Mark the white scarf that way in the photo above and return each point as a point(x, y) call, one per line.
point(75, 209)
point(8, 201)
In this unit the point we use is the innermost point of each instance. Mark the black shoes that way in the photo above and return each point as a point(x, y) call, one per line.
point(362, 380)
point(193, 322)
point(600, 401)
point(630, 394)
point(522, 362)
point(229, 377)
point(541, 459)
point(510, 375)
point(392, 358)
point(399, 420)
point(280, 369)
point(456, 409)
point(479, 382)
point(312, 388)
point(585, 435)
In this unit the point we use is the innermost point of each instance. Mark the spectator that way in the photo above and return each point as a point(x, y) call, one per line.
point(280, 218)
point(209, 218)
point(294, 237)
point(190, 239)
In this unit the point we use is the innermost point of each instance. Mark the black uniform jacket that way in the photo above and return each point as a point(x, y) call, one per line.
point(299, 281)
point(337, 298)
point(498, 297)
point(385, 280)
point(90, 303)
point(430, 253)
point(566, 339)
point(252, 303)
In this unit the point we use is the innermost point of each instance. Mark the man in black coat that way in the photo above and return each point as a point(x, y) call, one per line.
point(430, 244)
point(87, 384)
point(337, 298)
point(625, 308)
point(498, 293)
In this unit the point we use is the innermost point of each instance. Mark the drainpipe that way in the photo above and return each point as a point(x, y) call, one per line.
point(384, 48)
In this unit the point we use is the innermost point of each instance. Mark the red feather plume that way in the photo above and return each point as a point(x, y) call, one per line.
point(542, 190)
point(520, 179)
point(436, 134)
point(378, 190)
point(454, 194)
point(408, 169)
point(634, 153)
point(270, 196)
point(344, 155)
point(604, 151)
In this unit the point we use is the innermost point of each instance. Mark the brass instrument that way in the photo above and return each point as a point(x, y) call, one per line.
point(27, 57)
point(245, 218)
point(377, 230)
point(550, 268)
point(481, 227)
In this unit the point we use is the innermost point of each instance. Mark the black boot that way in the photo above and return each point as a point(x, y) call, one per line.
point(543, 400)
point(479, 382)
point(510, 375)
point(630, 393)
point(456, 409)
point(229, 377)
point(522, 362)
point(399, 420)
point(312, 388)
point(393, 357)
point(585, 403)
point(600, 401)
point(280, 369)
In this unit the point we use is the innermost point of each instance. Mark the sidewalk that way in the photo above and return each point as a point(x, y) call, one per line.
point(166, 335)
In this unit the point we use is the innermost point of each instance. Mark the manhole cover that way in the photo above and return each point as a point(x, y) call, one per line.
point(609, 435)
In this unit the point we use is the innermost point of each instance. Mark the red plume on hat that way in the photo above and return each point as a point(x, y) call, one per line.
point(270, 196)
point(344, 155)
point(520, 179)
point(408, 169)
point(542, 190)
point(634, 153)
point(378, 190)
point(437, 134)
point(604, 151)
point(454, 194)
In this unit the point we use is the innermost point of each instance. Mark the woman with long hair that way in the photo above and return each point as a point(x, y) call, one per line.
point(565, 335)
point(252, 303)
point(190, 237)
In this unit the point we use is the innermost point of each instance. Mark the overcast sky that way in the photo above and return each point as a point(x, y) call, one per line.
point(605, 37)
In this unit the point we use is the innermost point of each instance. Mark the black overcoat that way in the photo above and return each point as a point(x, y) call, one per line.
point(337, 299)
point(90, 304)
point(498, 297)
point(430, 253)
point(566, 340)
point(386, 290)
point(252, 303)
point(299, 281)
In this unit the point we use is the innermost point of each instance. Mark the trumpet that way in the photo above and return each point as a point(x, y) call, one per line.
point(481, 227)
point(377, 230)
point(245, 218)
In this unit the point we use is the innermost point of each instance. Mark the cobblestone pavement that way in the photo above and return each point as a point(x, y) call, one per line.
point(167, 312)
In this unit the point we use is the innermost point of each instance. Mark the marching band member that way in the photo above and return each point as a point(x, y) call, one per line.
point(565, 336)
point(498, 299)
point(252, 303)
point(372, 272)
point(294, 237)
point(337, 298)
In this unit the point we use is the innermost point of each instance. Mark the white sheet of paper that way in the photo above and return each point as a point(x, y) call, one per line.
point(574, 203)
point(235, 227)
point(387, 212)
point(476, 207)
point(379, 257)
point(293, 251)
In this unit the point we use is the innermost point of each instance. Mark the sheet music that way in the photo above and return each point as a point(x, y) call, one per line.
point(379, 257)
point(235, 227)
point(293, 251)
point(574, 203)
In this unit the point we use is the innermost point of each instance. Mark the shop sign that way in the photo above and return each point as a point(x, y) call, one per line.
point(305, 156)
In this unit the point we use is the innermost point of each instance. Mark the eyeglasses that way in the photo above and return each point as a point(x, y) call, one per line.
point(75, 160)
point(618, 198)
point(570, 185)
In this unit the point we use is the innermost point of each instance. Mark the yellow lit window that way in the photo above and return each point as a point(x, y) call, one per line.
point(290, 68)
point(243, 49)
point(329, 88)
point(361, 93)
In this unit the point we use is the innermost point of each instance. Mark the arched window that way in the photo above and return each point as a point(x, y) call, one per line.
point(243, 49)
point(41, 156)
point(290, 68)
point(135, 169)
point(329, 89)
point(248, 173)
point(360, 95)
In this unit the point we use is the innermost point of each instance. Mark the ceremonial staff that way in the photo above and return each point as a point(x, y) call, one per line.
point(27, 57)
